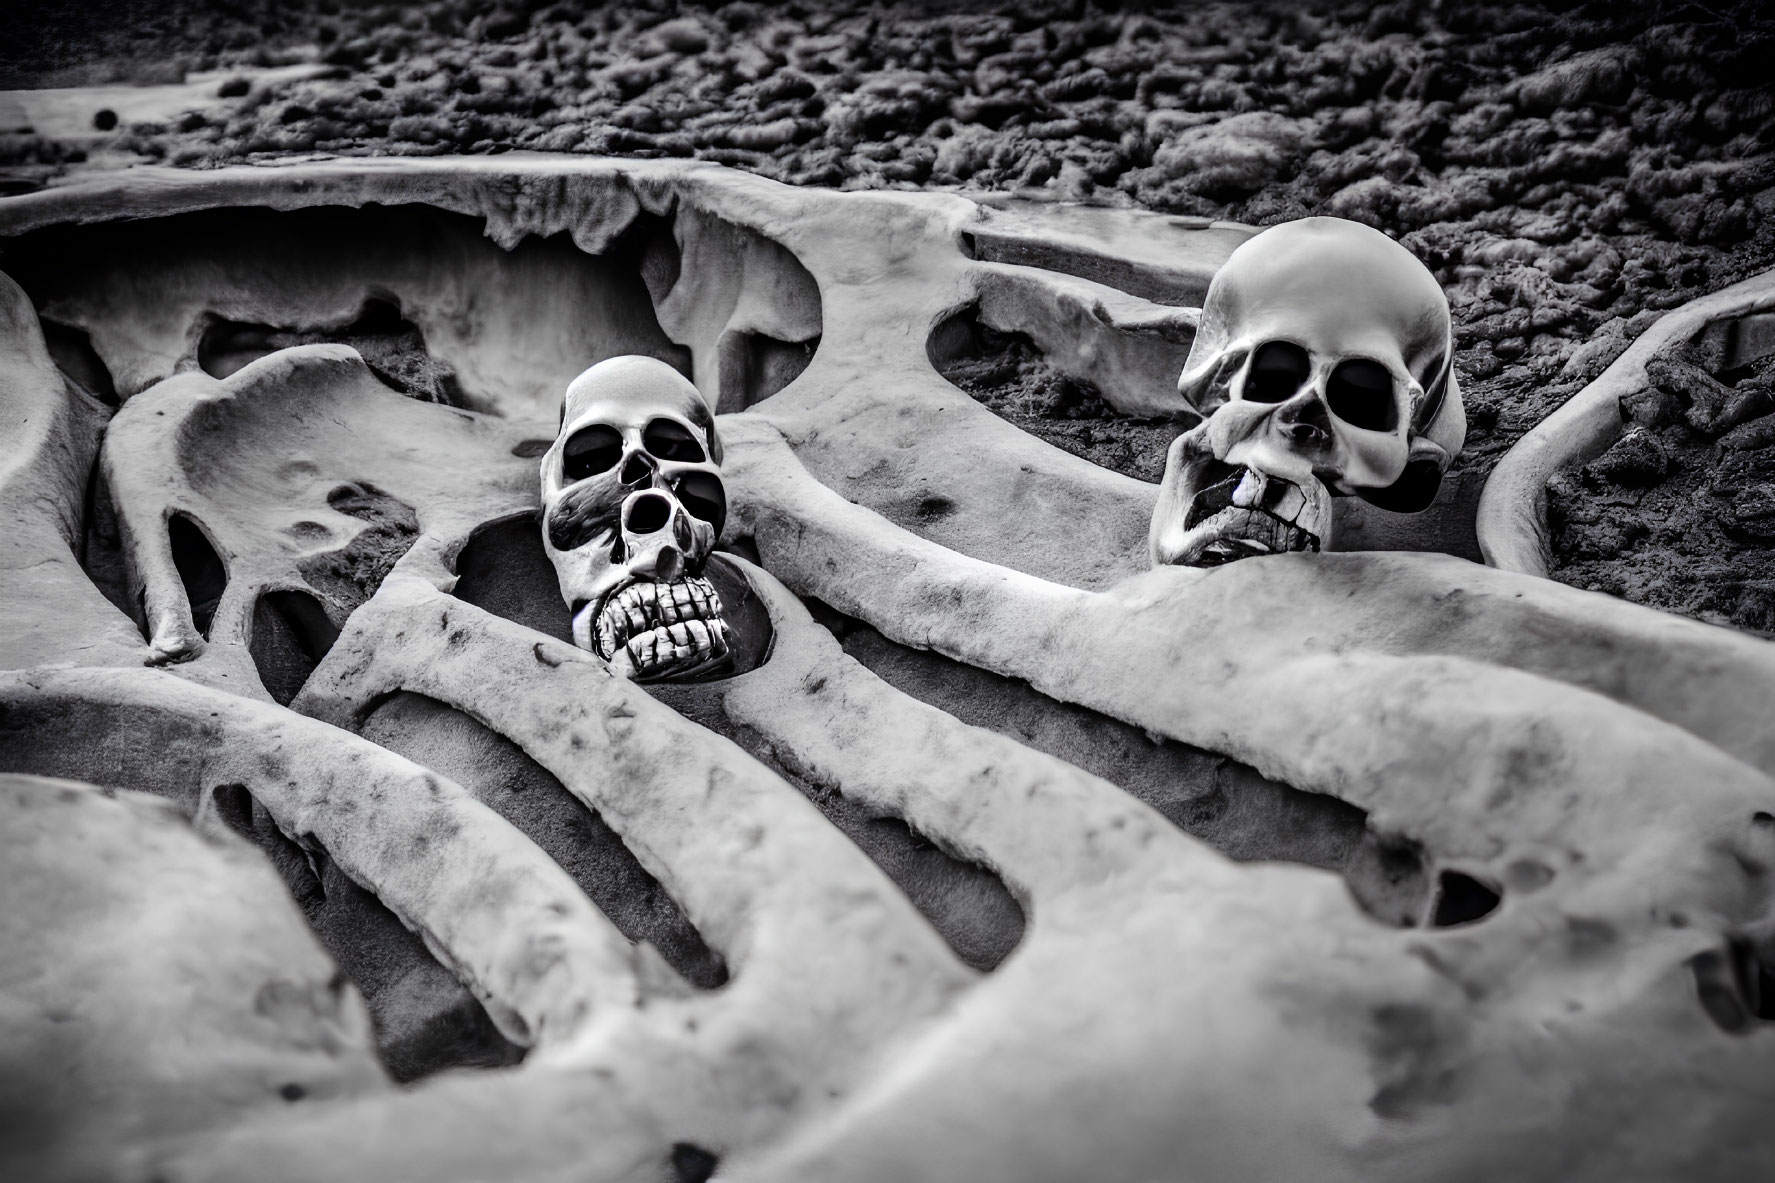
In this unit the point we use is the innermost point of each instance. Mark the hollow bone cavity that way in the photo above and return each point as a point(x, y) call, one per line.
point(1324, 363)
point(632, 505)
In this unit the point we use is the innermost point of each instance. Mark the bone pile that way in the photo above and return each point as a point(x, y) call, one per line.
point(978, 824)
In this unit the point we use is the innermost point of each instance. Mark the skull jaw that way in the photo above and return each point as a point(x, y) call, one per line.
point(1243, 506)
point(652, 630)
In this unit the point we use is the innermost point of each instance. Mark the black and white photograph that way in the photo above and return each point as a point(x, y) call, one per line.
point(995, 591)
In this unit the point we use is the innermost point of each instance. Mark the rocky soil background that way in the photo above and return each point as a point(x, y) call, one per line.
point(1569, 171)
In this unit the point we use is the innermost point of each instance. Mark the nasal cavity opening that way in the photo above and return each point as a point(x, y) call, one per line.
point(647, 514)
point(1462, 899)
point(200, 569)
point(1278, 370)
point(702, 494)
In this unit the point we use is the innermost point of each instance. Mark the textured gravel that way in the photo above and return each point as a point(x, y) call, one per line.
point(1568, 171)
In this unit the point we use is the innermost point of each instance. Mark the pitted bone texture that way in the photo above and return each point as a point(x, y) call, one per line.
point(1596, 772)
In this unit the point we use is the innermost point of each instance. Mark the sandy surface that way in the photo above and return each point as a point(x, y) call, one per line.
point(1568, 171)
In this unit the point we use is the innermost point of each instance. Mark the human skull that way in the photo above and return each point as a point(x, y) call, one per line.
point(632, 504)
point(1324, 362)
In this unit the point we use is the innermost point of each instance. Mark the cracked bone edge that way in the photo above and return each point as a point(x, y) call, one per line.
point(804, 918)
point(489, 904)
point(1393, 733)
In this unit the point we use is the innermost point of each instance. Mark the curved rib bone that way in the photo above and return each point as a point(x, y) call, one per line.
point(491, 907)
point(1369, 720)
point(1512, 523)
point(807, 922)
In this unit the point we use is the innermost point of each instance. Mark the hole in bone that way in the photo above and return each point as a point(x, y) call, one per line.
point(1756, 981)
point(513, 326)
point(636, 471)
point(932, 508)
point(200, 569)
point(647, 514)
point(393, 349)
point(1727, 984)
point(1360, 392)
point(291, 634)
point(234, 807)
point(500, 775)
point(668, 440)
point(503, 568)
point(1413, 492)
point(692, 1164)
point(1462, 899)
point(753, 366)
point(351, 574)
point(704, 496)
point(1278, 370)
point(1009, 375)
point(71, 350)
point(425, 1020)
point(590, 451)
point(1229, 805)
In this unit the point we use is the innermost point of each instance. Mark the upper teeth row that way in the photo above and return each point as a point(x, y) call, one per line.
point(644, 605)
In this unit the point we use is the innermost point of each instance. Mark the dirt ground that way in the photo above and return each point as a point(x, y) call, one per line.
point(1569, 171)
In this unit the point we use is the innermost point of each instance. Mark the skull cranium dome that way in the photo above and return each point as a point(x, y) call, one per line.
point(1324, 360)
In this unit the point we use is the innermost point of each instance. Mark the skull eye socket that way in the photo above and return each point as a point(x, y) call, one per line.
point(701, 493)
point(1278, 369)
point(667, 440)
point(1360, 392)
point(590, 451)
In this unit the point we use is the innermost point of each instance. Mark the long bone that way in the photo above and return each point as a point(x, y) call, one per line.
point(1131, 913)
point(503, 917)
point(806, 922)
point(1705, 679)
point(1621, 848)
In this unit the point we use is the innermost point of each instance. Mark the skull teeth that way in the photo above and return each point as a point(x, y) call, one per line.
point(664, 628)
